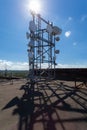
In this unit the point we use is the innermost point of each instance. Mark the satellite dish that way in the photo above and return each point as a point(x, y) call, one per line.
point(57, 51)
point(56, 30)
point(28, 50)
point(49, 28)
point(57, 38)
point(31, 43)
point(30, 55)
point(32, 26)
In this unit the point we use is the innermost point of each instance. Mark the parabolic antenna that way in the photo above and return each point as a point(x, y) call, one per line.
point(56, 30)
point(27, 50)
point(30, 55)
point(57, 38)
point(49, 28)
point(31, 43)
point(32, 26)
point(57, 51)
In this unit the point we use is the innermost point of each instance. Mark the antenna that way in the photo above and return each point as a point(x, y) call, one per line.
point(42, 51)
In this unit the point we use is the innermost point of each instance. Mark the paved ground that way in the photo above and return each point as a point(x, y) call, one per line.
point(56, 105)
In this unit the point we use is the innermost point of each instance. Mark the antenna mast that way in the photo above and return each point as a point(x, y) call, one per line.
point(42, 36)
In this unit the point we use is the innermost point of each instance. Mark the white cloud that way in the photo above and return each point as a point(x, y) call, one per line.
point(70, 19)
point(68, 33)
point(74, 43)
point(9, 65)
point(71, 66)
point(4, 64)
point(83, 18)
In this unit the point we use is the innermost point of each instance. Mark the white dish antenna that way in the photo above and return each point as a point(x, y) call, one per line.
point(30, 55)
point(49, 28)
point(56, 30)
point(32, 26)
point(31, 43)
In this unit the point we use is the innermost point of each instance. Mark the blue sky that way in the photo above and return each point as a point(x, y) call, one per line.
point(70, 15)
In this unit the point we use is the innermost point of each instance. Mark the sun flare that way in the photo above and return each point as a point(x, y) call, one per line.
point(35, 6)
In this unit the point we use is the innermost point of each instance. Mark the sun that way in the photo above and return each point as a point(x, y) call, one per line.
point(35, 6)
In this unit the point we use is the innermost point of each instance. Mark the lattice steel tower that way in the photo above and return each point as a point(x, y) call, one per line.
point(42, 36)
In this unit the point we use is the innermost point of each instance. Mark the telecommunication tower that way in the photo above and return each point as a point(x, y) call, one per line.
point(42, 52)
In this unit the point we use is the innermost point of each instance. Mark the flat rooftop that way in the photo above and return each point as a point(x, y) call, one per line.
point(53, 105)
